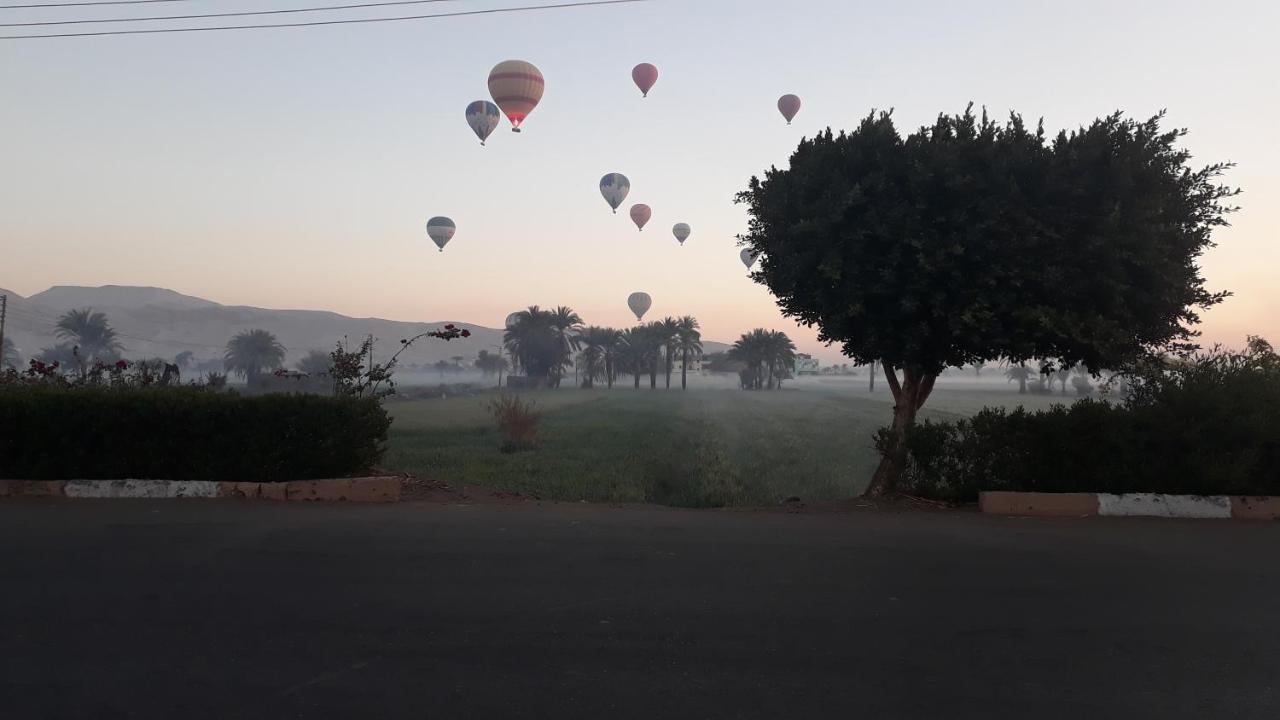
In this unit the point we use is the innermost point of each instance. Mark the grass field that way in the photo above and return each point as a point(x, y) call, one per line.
point(695, 448)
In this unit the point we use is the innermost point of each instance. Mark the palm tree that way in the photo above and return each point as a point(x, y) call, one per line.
point(541, 342)
point(767, 354)
point(184, 358)
point(667, 330)
point(64, 354)
point(639, 351)
point(91, 332)
point(251, 353)
point(1021, 373)
point(598, 345)
point(689, 342)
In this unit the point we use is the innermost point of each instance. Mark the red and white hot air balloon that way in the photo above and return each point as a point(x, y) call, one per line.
point(516, 87)
point(788, 105)
point(644, 75)
point(640, 214)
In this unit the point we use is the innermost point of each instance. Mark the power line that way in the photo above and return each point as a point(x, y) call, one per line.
point(316, 23)
point(156, 18)
point(85, 4)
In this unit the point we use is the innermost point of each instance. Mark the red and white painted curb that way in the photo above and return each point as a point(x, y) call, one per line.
point(368, 489)
point(1222, 507)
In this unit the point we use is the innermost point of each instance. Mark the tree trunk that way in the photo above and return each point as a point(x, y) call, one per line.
point(684, 369)
point(872, 386)
point(608, 370)
point(909, 396)
point(1022, 379)
point(637, 374)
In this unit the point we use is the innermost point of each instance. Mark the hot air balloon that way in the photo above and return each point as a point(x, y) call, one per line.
point(483, 117)
point(788, 105)
point(681, 231)
point(640, 215)
point(639, 303)
point(645, 75)
point(516, 87)
point(748, 258)
point(440, 230)
point(614, 187)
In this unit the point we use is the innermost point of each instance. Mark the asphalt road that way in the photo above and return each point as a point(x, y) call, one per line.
point(223, 609)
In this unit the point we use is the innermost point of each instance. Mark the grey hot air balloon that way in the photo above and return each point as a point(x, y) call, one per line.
point(639, 303)
point(681, 231)
point(483, 117)
point(614, 187)
point(440, 230)
point(748, 258)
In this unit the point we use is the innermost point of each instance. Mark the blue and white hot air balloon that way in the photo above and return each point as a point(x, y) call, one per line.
point(483, 117)
point(441, 230)
point(614, 187)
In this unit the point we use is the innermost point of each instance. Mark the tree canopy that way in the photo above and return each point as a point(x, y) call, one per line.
point(971, 240)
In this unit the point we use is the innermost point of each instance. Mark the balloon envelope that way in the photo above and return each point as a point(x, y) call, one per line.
point(644, 75)
point(681, 231)
point(516, 87)
point(614, 187)
point(639, 303)
point(440, 230)
point(640, 215)
point(483, 117)
point(788, 105)
point(748, 258)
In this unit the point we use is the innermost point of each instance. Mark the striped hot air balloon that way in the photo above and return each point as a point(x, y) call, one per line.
point(788, 105)
point(516, 87)
point(644, 75)
point(441, 230)
point(483, 117)
point(640, 214)
point(681, 231)
point(639, 303)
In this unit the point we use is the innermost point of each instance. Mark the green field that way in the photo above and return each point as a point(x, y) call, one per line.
point(695, 448)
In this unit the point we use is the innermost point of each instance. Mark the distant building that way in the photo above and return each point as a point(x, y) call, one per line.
point(695, 364)
point(807, 365)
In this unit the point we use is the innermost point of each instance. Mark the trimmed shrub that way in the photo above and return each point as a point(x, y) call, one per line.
point(1206, 426)
point(52, 433)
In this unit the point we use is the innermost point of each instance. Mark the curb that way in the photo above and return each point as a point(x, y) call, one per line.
point(364, 490)
point(1221, 507)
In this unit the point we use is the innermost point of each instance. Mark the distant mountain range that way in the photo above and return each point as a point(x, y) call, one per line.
point(157, 322)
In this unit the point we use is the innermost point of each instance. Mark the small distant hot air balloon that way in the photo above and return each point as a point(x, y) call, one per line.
point(639, 303)
point(614, 187)
point(788, 105)
point(644, 75)
point(640, 215)
point(748, 258)
point(516, 87)
point(483, 117)
point(681, 231)
point(441, 230)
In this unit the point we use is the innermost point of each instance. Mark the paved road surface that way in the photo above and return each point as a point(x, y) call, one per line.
point(219, 609)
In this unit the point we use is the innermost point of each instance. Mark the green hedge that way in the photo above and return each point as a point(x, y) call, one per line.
point(49, 433)
point(1092, 446)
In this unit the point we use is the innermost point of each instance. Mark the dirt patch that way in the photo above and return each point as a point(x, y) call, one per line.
point(416, 488)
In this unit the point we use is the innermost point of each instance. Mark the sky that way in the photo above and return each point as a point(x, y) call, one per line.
point(297, 168)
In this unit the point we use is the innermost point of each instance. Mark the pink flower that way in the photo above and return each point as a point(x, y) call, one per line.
point(121, 364)
point(466, 333)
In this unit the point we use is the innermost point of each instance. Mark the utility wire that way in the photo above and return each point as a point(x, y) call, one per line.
point(226, 14)
point(316, 23)
point(86, 4)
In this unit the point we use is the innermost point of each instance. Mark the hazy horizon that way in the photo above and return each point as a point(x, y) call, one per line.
point(297, 168)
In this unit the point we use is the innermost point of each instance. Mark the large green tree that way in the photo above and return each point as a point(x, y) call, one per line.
point(945, 247)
